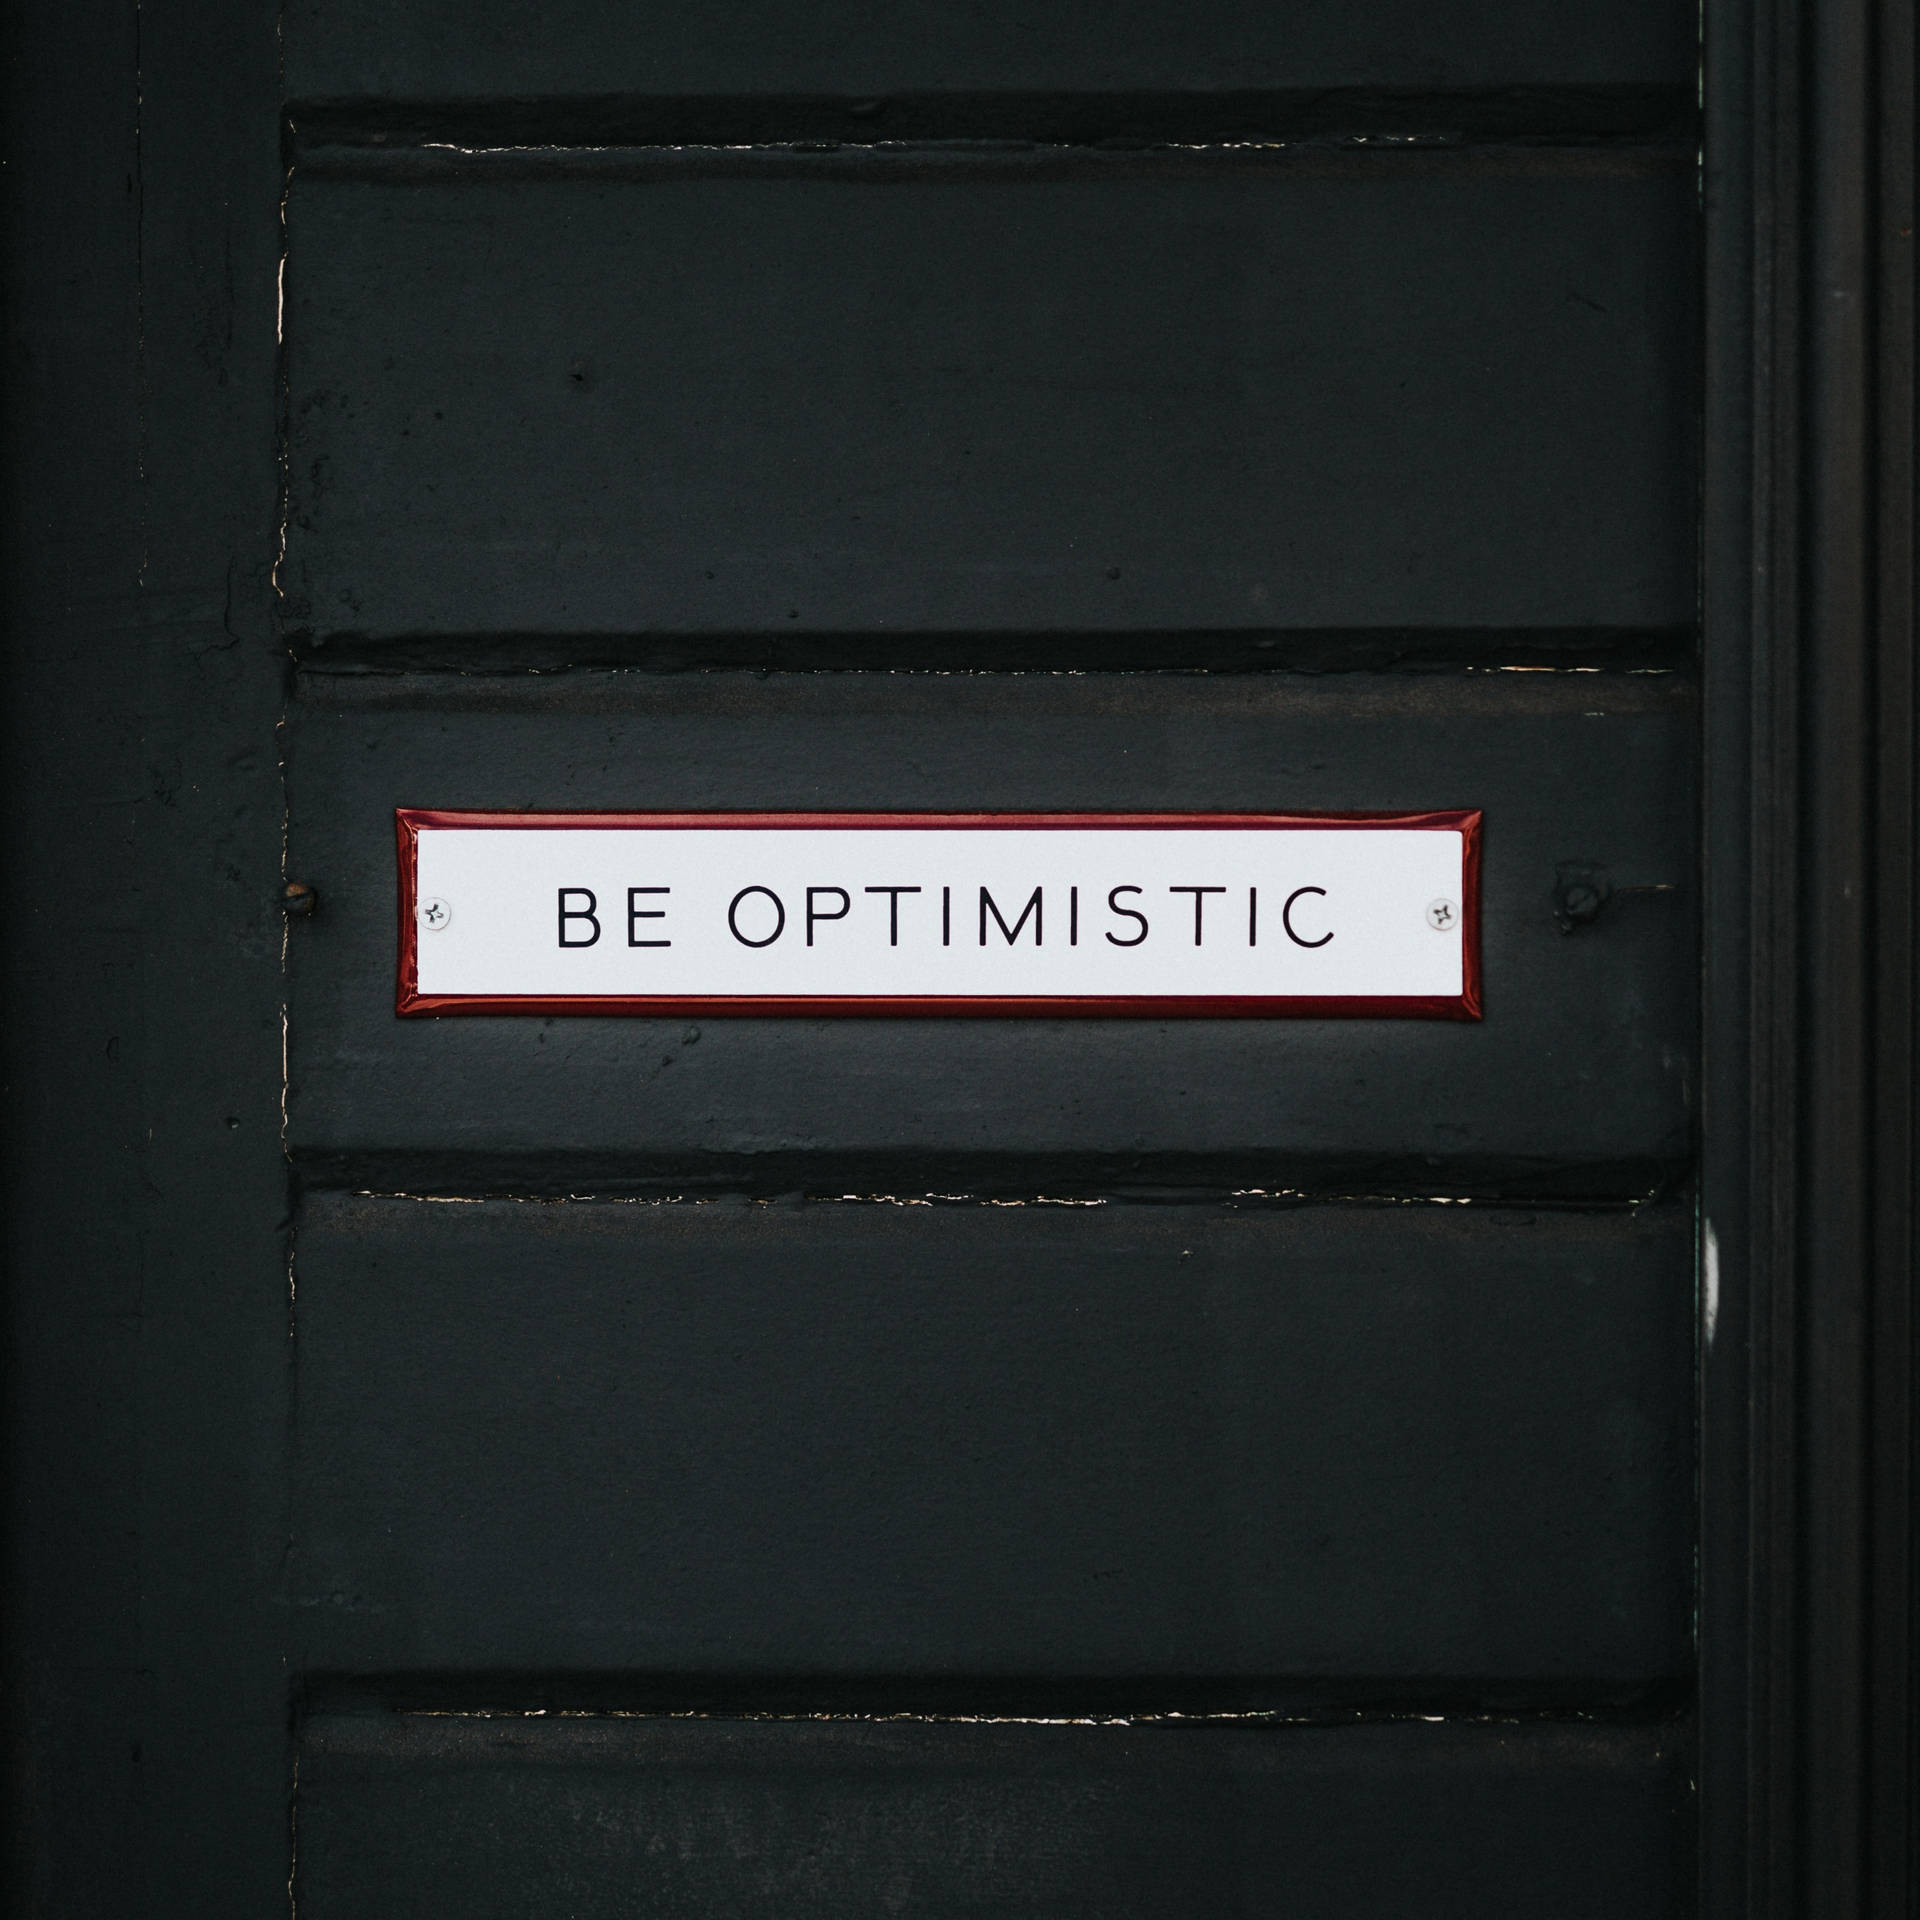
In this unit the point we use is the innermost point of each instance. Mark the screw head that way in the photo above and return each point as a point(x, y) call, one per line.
point(1442, 915)
point(434, 915)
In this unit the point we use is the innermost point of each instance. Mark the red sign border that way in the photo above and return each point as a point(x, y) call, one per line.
point(410, 1003)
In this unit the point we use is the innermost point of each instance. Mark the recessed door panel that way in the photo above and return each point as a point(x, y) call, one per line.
point(408, 1814)
point(1576, 1081)
point(1408, 1452)
point(788, 395)
point(594, 52)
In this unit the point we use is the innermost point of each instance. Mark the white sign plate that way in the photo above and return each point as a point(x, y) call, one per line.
point(910, 914)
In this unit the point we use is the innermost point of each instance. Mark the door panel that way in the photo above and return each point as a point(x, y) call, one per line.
point(1440, 1446)
point(935, 1395)
point(439, 51)
point(789, 394)
point(941, 1383)
point(411, 1814)
point(1577, 1082)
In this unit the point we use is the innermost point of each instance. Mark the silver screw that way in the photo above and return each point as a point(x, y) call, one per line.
point(1441, 914)
point(434, 915)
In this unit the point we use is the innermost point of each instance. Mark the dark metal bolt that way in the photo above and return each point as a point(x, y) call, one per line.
point(1581, 890)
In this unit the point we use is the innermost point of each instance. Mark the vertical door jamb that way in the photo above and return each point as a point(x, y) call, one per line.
point(1808, 1178)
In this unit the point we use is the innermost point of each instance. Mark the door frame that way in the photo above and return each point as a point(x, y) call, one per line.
point(1807, 1592)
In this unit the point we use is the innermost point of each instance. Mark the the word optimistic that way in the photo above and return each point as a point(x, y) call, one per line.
point(757, 916)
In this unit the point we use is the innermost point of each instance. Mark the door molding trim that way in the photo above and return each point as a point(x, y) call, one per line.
point(1808, 1179)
